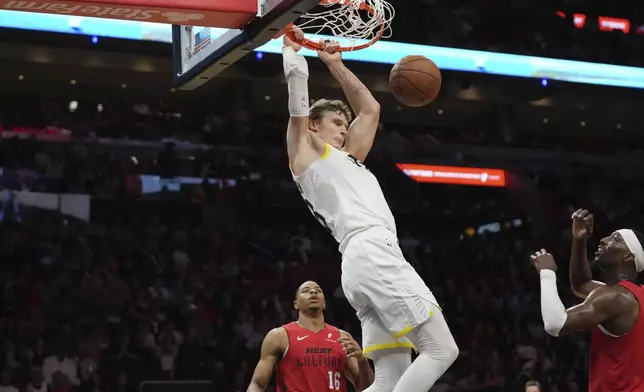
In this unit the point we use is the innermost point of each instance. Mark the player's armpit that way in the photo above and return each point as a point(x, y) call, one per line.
point(303, 148)
point(273, 347)
point(601, 305)
point(297, 135)
point(583, 290)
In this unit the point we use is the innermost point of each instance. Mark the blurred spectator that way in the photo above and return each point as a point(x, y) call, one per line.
point(5, 382)
point(533, 386)
point(61, 367)
point(37, 382)
point(184, 284)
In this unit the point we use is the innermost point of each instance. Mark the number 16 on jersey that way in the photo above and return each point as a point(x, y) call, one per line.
point(334, 381)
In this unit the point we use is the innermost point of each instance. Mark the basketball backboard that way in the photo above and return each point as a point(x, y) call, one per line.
point(202, 52)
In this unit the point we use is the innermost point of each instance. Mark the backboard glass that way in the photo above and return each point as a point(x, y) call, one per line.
point(202, 52)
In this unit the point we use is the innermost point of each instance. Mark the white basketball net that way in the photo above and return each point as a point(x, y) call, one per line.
point(345, 20)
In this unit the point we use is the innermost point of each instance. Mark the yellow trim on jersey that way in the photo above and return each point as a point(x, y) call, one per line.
point(327, 151)
point(404, 331)
point(387, 346)
point(409, 328)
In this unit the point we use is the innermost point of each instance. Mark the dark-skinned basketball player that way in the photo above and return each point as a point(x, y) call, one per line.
point(310, 355)
point(613, 311)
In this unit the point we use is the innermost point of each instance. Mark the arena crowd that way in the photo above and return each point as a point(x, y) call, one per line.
point(183, 286)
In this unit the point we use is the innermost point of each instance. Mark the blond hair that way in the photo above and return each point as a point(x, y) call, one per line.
point(322, 106)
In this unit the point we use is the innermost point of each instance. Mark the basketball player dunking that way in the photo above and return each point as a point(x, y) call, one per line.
point(614, 311)
point(309, 355)
point(325, 150)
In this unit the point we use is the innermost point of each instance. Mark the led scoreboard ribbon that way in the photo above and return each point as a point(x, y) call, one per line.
point(454, 175)
point(383, 52)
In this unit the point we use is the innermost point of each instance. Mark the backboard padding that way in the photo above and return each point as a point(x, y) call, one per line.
point(192, 71)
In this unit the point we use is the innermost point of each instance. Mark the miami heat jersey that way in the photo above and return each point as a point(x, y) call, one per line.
point(617, 363)
point(313, 362)
point(344, 196)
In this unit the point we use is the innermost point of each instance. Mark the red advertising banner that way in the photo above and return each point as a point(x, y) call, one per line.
point(579, 20)
point(606, 23)
point(49, 132)
point(217, 13)
point(454, 175)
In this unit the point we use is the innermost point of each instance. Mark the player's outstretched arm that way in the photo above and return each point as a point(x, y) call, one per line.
point(357, 367)
point(581, 278)
point(363, 129)
point(601, 305)
point(296, 70)
point(273, 347)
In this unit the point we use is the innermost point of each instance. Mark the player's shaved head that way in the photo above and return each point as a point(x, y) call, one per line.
point(306, 284)
point(309, 297)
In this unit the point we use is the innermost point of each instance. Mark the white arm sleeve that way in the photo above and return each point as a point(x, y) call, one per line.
point(553, 311)
point(296, 71)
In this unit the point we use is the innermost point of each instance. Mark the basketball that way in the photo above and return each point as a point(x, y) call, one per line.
point(415, 81)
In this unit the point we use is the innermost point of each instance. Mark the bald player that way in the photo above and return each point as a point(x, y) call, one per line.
point(309, 355)
point(613, 310)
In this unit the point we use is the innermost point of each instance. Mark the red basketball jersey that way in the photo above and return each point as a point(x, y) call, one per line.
point(313, 362)
point(617, 363)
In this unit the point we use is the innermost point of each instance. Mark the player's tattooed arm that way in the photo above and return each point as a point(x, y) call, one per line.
point(273, 347)
point(363, 129)
point(357, 367)
point(603, 304)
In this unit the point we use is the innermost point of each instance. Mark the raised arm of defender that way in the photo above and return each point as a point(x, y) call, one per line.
point(581, 278)
point(605, 304)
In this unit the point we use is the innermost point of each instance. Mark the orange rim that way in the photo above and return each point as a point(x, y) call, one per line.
point(314, 45)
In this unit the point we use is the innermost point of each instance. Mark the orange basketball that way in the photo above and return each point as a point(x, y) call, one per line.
point(415, 81)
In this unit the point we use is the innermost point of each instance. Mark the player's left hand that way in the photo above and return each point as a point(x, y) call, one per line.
point(543, 260)
point(330, 53)
point(298, 34)
point(351, 348)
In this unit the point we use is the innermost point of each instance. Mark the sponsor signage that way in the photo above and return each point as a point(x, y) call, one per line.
point(454, 175)
point(222, 13)
point(47, 133)
point(605, 23)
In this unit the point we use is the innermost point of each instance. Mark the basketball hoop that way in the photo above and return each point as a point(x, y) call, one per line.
point(355, 24)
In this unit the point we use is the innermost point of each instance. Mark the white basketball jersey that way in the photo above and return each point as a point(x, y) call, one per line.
point(344, 196)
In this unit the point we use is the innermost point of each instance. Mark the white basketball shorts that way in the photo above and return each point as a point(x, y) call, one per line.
point(387, 293)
